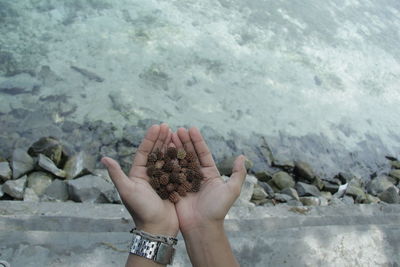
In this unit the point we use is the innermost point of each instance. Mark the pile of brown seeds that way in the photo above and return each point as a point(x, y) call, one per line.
point(174, 173)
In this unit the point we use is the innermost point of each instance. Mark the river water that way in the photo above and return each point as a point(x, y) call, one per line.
point(320, 80)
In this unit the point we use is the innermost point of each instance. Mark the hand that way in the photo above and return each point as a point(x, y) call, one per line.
point(210, 205)
point(149, 212)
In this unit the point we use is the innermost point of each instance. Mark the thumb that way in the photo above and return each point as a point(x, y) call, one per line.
point(116, 174)
point(238, 174)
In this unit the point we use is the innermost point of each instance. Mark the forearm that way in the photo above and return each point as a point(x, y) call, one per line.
point(208, 245)
point(134, 260)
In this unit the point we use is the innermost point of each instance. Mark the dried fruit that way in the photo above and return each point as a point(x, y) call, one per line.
point(152, 157)
point(181, 154)
point(172, 152)
point(164, 179)
point(174, 197)
point(155, 183)
point(159, 164)
point(181, 190)
point(170, 187)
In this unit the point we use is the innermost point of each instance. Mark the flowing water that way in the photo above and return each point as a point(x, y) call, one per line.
point(319, 79)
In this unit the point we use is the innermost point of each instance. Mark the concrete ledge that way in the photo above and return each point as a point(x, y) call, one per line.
point(76, 234)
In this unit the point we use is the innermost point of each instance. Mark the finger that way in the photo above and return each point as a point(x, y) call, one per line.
point(145, 147)
point(118, 177)
point(176, 141)
point(168, 141)
point(203, 153)
point(238, 175)
point(164, 131)
point(184, 137)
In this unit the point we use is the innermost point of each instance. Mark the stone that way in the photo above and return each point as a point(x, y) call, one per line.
point(395, 174)
point(46, 164)
point(370, 199)
point(323, 201)
point(347, 200)
point(226, 165)
point(327, 195)
point(39, 181)
point(390, 195)
point(261, 201)
point(310, 201)
point(395, 164)
point(341, 191)
point(1, 191)
point(330, 187)
point(246, 191)
point(263, 176)
point(345, 177)
point(283, 163)
point(20, 84)
point(282, 180)
point(294, 203)
point(30, 195)
point(304, 171)
point(258, 193)
point(336, 202)
point(318, 183)
point(133, 135)
point(378, 185)
point(267, 188)
point(290, 192)
point(15, 188)
point(282, 197)
point(48, 146)
point(79, 165)
point(91, 188)
point(58, 190)
point(304, 189)
point(356, 192)
point(5, 171)
point(21, 163)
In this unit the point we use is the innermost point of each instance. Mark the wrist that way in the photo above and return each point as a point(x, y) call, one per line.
point(158, 229)
point(203, 228)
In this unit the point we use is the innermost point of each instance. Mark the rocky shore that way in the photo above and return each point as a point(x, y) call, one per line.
point(52, 169)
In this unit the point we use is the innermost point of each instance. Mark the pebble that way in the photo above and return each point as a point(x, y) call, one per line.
point(21, 163)
point(304, 171)
point(15, 188)
point(390, 195)
point(30, 195)
point(304, 189)
point(5, 171)
point(48, 165)
point(310, 201)
point(282, 180)
point(291, 192)
point(258, 193)
point(378, 185)
point(57, 190)
point(38, 182)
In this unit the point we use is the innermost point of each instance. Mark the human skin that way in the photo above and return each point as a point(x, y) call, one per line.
point(149, 212)
point(201, 215)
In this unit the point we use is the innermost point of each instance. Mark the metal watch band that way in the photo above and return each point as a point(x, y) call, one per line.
point(154, 250)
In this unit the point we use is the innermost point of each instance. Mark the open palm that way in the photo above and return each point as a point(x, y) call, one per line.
point(148, 210)
point(215, 197)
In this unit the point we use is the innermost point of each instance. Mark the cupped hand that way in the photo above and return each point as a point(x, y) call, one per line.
point(149, 212)
point(213, 201)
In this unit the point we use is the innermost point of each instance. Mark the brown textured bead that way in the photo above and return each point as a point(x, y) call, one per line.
point(170, 187)
point(190, 156)
point(164, 180)
point(181, 191)
point(163, 193)
point(168, 166)
point(181, 154)
point(152, 157)
point(183, 163)
point(172, 152)
point(155, 183)
point(174, 197)
point(159, 154)
point(181, 177)
point(150, 171)
point(196, 186)
point(187, 186)
point(174, 177)
point(159, 164)
point(176, 168)
point(157, 173)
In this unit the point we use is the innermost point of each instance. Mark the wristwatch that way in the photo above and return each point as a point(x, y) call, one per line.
point(152, 247)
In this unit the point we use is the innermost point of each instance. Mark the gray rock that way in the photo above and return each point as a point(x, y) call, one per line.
point(310, 201)
point(15, 188)
point(318, 183)
point(282, 180)
point(58, 190)
point(261, 201)
point(21, 163)
point(258, 193)
point(226, 165)
point(91, 188)
point(30, 195)
point(282, 162)
point(304, 171)
point(290, 192)
point(342, 190)
point(395, 174)
point(48, 165)
point(336, 202)
point(356, 192)
point(263, 176)
point(378, 185)
point(48, 146)
point(39, 181)
point(345, 177)
point(370, 199)
point(79, 165)
point(5, 171)
point(1, 191)
point(294, 203)
point(395, 164)
point(390, 195)
point(20, 84)
point(304, 189)
point(323, 201)
point(282, 197)
point(267, 188)
point(330, 187)
point(347, 200)
point(246, 192)
point(327, 195)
